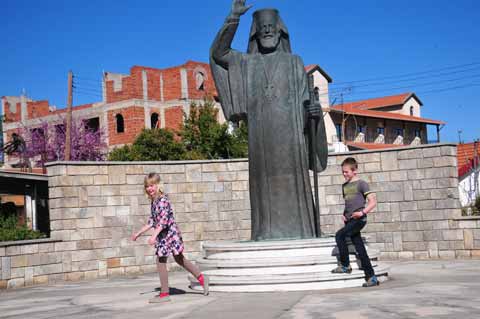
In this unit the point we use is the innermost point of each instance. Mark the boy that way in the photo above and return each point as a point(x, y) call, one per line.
point(355, 191)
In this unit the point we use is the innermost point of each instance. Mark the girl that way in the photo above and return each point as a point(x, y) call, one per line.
point(166, 238)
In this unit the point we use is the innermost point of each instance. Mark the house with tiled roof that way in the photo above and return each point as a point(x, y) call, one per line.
point(382, 122)
point(468, 160)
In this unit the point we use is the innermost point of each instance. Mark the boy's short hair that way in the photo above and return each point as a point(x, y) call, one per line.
point(350, 161)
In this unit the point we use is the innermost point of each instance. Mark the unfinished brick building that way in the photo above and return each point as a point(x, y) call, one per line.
point(145, 98)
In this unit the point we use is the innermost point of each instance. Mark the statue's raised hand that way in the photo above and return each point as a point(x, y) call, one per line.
point(239, 8)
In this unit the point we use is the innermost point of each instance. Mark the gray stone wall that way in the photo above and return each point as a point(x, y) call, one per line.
point(94, 207)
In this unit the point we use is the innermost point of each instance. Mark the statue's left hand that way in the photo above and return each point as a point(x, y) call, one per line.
point(314, 111)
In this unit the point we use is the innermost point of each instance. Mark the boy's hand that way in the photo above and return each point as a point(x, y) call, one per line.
point(151, 240)
point(357, 215)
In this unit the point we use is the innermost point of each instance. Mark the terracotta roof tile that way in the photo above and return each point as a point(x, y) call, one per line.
point(379, 102)
point(466, 157)
point(354, 109)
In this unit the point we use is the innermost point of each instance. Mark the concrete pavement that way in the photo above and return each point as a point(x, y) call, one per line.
point(417, 289)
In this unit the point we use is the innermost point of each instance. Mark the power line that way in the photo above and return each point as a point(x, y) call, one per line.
point(415, 78)
point(419, 84)
point(440, 90)
point(410, 74)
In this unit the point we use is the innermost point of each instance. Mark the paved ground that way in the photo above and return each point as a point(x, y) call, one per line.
point(426, 289)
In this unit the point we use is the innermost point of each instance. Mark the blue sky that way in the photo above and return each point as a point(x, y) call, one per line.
point(430, 47)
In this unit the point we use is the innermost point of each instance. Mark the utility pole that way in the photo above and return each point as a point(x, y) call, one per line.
point(69, 118)
point(459, 136)
point(475, 163)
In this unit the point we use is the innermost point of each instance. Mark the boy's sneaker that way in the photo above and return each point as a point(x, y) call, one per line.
point(342, 270)
point(204, 282)
point(162, 297)
point(372, 281)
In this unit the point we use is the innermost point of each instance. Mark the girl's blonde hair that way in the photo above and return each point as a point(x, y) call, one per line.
point(152, 179)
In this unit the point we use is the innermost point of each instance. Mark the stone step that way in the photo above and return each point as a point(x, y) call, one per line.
point(290, 253)
point(225, 246)
point(276, 271)
point(277, 262)
point(290, 282)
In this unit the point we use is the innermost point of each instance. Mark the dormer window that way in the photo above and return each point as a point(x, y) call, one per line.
point(411, 110)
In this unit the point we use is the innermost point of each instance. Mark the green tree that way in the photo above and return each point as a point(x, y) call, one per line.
point(151, 145)
point(200, 137)
point(205, 138)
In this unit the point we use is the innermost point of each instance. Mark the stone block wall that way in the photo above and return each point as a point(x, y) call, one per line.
point(94, 207)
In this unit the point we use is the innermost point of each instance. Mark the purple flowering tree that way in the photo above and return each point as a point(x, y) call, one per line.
point(46, 143)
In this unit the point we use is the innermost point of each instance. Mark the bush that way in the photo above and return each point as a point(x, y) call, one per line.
point(200, 137)
point(10, 230)
point(150, 145)
point(476, 206)
point(473, 209)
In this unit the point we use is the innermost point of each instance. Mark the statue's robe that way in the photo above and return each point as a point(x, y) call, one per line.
point(280, 190)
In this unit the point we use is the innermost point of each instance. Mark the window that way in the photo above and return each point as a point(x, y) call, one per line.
point(398, 131)
point(120, 124)
point(381, 130)
point(338, 127)
point(411, 110)
point(92, 124)
point(200, 81)
point(154, 120)
point(60, 129)
point(418, 132)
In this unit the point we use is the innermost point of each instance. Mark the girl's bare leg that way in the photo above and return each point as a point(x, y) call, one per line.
point(163, 273)
point(185, 263)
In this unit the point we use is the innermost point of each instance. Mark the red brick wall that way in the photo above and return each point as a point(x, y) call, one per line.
point(209, 85)
point(153, 84)
point(134, 123)
point(131, 87)
point(172, 84)
point(174, 118)
point(12, 117)
point(37, 109)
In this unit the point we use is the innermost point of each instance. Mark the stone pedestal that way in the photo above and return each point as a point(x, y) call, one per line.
point(286, 265)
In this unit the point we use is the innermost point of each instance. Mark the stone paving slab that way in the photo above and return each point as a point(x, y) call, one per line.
point(418, 289)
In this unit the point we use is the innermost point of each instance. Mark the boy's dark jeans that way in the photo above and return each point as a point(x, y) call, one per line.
point(352, 229)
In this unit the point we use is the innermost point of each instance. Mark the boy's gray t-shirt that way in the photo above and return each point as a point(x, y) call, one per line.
point(355, 194)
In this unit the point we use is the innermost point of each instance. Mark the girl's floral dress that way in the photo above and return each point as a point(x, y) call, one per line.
point(169, 240)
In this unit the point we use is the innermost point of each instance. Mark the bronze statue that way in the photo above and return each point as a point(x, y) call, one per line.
point(267, 87)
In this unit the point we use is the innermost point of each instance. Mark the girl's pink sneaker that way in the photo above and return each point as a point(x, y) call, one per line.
point(162, 297)
point(204, 282)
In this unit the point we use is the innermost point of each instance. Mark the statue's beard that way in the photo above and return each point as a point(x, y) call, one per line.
point(269, 44)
